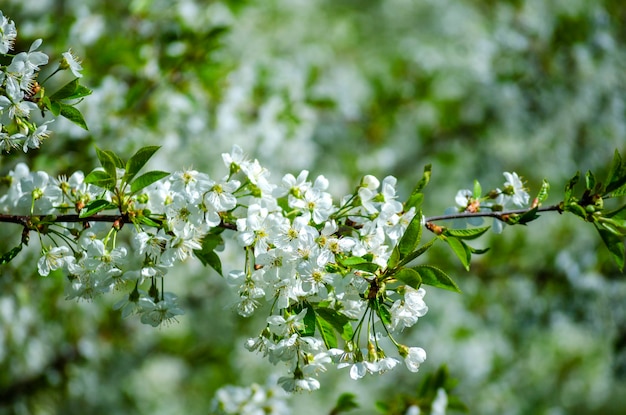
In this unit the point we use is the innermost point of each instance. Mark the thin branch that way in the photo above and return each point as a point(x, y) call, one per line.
point(27, 220)
point(491, 214)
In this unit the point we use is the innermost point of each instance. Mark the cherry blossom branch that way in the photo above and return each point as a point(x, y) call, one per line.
point(500, 215)
point(27, 220)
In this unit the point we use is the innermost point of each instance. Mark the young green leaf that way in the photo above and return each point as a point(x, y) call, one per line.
point(96, 206)
point(351, 261)
point(411, 237)
point(617, 174)
point(327, 332)
point(108, 162)
point(209, 258)
point(101, 179)
point(528, 216)
point(435, 277)
point(478, 190)
point(416, 197)
point(53, 106)
point(394, 258)
point(615, 245)
point(543, 191)
point(309, 319)
point(345, 403)
point(80, 92)
point(383, 312)
point(8, 256)
point(138, 160)
point(66, 91)
point(71, 113)
point(338, 321)
point(471, 233)
point(409, 276)
point(410, 257)
point(569, 188)
point(590, 180)
point(367, 267)
point(207, 255)
point(619, 213)
point(461, 250)
point(147, 179)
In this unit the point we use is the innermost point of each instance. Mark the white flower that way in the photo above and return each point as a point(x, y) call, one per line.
point(413, 357)
point(71, 62)
point(35, 138)
point(280, 326)
point(514, 190)
point(440, 403)
point(25, 63)
point(463, 199)
point(53, 259)
point(293, 384)
point(220, 196)
point(8, 33)
point(155, 313)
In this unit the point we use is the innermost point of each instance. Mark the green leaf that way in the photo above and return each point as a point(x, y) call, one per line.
point(418, 252)
point(66, 91)
point(73, 114)
point(351, 260)
point(616, 177)
point(108, 162)
point(528, 216)
point(210, 259)
point(359, 263)
point(8, 256)
point(614, 225)
point(96, 206)
point(590, 180)
point(619, 213)
point(137, 161)
point(435, 277)
point(149, 222)
point(411, 237)
point(409, 276)
point(80, 92)
point(461, 250)
point(309, 321)
point(147, 179)
point(618, 192)
point(576, 209)
point(383, 313)
point(478, 191)
point(327, 333)
point(416, 197)
point(394, 258)
point(101, 179)
point(569, 187)
point(53, 106)
point(207, 255)
point(367, 267)
point(345, 403)
point(543, 192)
point(614, 244)
point(471, 233)
point(340, 323)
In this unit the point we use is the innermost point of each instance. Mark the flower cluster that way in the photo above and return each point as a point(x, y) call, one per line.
point(251, 400)
point(323, 266)
point(21, 95)
point(512, 194)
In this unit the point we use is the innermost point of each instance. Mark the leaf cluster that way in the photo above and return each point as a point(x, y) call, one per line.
point(63, 102)
point(590, 206)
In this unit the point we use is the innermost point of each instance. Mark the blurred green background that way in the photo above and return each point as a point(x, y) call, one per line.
point(341, 88)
